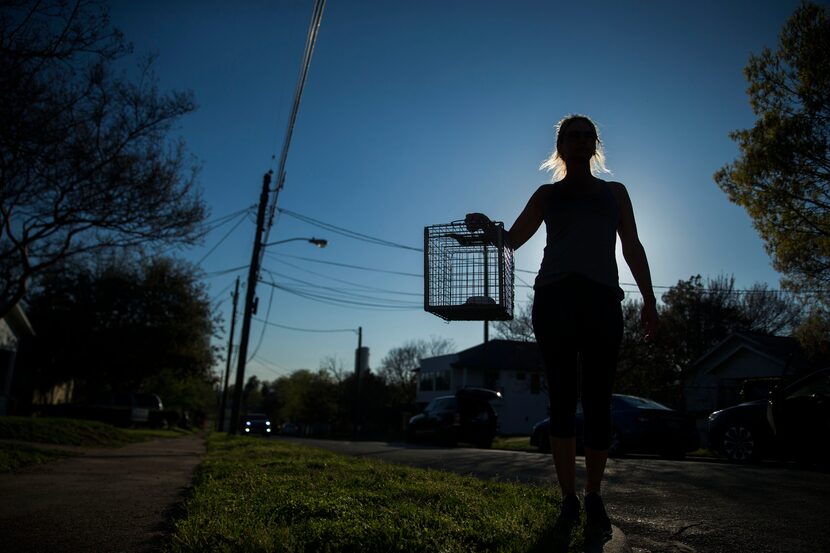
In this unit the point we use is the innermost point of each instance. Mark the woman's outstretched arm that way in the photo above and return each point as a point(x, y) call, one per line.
point(526, 224)
point(635, 257)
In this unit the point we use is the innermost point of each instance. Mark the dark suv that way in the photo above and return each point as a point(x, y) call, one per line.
point(466, 417)
point(794, 423)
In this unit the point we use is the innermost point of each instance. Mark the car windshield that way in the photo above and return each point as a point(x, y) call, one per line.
point(819, 386)
point(441, 405)
point(628, 402)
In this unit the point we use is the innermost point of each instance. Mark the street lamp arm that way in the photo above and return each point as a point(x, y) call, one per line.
point(319, 242)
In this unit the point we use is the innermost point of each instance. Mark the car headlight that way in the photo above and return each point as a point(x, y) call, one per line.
point(267, 423)
point(247, 430)
point(247, 423)
point(267, 429)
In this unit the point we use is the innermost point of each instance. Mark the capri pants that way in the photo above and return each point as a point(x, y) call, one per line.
point(577, 320)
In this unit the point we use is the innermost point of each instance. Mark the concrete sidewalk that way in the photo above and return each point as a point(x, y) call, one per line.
point(104, 500)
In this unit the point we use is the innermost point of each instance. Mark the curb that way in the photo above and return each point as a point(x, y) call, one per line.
point(618, 542)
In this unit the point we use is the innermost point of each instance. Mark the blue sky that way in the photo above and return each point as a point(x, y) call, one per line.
point(417, 112)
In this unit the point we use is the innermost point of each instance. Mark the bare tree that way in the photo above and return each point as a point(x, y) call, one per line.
point(335, 367)
point(520, 327)
point(85, 159)
point(397, 369)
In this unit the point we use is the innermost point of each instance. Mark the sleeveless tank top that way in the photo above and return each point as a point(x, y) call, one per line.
point(581, 237)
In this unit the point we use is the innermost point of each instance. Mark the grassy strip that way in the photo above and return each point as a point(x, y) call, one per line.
point(62, 432)
point(16, 456)
point(58, 431)
point(514, 443)
point(268, 495)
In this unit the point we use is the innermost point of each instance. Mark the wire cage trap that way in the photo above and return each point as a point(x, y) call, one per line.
point(467, 276)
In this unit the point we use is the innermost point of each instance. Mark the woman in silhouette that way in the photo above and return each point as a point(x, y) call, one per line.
point(577, 316)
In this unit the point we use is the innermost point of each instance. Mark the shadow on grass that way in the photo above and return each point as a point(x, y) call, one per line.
point(557, 539)
point(565, 537)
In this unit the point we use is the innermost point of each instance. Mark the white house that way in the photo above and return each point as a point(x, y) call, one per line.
point(511, 367)
point(13, 327)
point(714, 380)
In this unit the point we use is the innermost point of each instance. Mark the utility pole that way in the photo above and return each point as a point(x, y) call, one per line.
point(250, 294)
point(357, 418)
point(228, 361)
point(256, 256)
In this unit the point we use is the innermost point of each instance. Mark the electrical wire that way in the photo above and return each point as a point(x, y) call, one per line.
point(346, 298)
point(348, 303)
point(364, 286)
point(305, 329)
point(222, 272)
point(213, 249)
point(344, 291)
point(348, 233)
point(262, 334)
point(278, 255)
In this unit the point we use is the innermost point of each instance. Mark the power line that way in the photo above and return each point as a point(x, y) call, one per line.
point(270, 254)
point(348, 303)
point(219, 243)
point(225, 271)
point(348, 233)
point(343, 291)
point(306, 329)
point(364, 286)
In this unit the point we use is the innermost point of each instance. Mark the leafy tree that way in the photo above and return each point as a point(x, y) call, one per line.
point(397, 369)
point(306, 397)
point(85, 159)
point(124, 325)
point(782, 177)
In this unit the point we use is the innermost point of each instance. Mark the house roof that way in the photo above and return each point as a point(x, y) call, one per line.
point(782, 348)
point(501, 354)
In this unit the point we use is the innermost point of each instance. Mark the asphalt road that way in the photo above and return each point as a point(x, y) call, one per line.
point(662, 506)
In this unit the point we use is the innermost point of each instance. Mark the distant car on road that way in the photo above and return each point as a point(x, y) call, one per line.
point(255, 423)
point(639, 425)
point(466, 417)
point(793, 423)
point(290, 429)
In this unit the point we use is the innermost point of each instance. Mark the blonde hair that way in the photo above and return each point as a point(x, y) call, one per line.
point(556, 164)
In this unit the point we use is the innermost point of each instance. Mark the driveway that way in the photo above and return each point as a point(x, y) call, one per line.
point(104, 500)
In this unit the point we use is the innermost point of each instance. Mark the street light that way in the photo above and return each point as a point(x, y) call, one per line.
point(319, 242)
point(253, 275)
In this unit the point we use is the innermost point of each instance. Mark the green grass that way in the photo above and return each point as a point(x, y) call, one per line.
point(57, 431)
point(16, 456)
point(267, 495)
point(514, 443)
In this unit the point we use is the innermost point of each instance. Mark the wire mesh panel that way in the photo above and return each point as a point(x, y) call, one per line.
point(467, 276)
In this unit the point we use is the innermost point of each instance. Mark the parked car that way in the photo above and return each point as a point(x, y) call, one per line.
point(290, 429)
point(255, 423)
point(741, 433)
point(467, 416)
point(639, 425)
point(793, 423)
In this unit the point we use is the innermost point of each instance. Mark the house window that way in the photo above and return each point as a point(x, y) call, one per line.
point(491, 379)
point(442, 380)
point(426, 382)
point(535, 383)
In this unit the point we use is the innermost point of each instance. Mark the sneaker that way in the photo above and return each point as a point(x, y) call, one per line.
point(569, 512)
point(597, 519)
